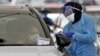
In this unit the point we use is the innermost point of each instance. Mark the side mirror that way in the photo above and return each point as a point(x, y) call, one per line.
point(62, 41)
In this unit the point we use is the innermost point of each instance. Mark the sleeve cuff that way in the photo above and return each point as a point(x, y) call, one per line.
point(74, 36)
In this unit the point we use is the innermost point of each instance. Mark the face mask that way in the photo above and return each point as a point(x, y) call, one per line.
point(71, 17)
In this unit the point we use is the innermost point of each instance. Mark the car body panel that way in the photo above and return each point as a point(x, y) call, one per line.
point(28, 51)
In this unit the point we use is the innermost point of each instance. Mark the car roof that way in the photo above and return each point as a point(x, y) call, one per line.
point(14, 9)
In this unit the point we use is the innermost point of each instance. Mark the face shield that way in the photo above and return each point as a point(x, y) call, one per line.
point(68, 10)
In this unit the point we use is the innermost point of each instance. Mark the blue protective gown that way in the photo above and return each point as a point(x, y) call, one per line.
point(83, 37)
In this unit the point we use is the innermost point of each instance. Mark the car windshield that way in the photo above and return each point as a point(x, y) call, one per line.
point(20, 29)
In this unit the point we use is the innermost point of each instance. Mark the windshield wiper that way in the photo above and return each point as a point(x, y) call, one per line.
point(9, 15)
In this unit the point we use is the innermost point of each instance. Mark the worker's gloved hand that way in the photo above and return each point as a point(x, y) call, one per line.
point(69, 34)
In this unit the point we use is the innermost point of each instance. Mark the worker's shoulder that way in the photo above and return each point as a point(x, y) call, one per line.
point(88, 17)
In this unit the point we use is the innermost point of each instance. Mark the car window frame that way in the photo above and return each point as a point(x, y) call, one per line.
point(43, 25)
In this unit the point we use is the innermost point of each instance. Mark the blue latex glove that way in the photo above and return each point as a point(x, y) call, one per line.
point(69, 34)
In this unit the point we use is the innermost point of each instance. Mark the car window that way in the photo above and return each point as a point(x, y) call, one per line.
point(21, 29)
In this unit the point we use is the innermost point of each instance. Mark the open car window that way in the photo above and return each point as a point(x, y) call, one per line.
point(21, 29)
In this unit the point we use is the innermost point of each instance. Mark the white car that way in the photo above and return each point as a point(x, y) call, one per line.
point(24, 33)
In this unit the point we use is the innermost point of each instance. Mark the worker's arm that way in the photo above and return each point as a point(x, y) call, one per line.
point(89, 35)
point(48, 21)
